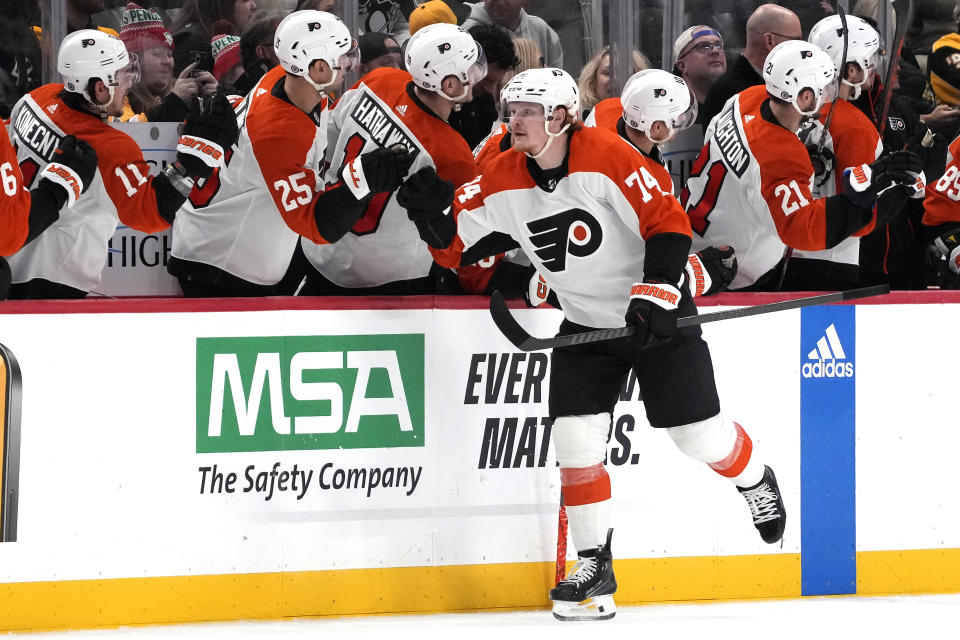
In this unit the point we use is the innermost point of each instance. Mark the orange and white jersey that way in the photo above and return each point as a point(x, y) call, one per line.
point(246, 219)
point(381, 110)
point(586, 236)
point(750, 188)
point(606, 114)
point(15, 202)
point(942, 201)
point(853, 140)
point(491, 146)
point(73, 250)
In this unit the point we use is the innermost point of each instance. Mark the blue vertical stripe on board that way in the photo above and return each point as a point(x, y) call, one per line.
point(827, 451)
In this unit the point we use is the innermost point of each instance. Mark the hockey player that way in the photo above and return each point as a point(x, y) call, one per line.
point(67, 259)
point(25, 214)
point(851, 141)
point(382, 253)
point(653, 106)
point(586, 210)
point(750, 186)
point(941, 220)
point(238, 233)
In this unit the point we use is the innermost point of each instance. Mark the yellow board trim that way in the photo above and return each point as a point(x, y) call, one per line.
point(79, 604)
point(908, 571)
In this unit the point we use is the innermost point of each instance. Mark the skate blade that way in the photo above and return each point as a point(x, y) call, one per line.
point(595, 608)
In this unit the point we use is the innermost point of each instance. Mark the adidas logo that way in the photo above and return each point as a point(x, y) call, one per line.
point(747, 119)
point(827, 360)
point(402, 109)
point(52, 108)
point(261, 91)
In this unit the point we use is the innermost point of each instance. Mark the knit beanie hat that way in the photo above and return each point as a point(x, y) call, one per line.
point(943, 63)
point(432, 12)
point(143, 29)
point(226, 54)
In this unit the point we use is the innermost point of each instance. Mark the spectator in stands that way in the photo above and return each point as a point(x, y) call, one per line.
point(529, 55)
point(510, 15)
point(193, 29)
point(767, 27)
point(157, 97)
point(700, 60)
point(474, 119)
point(227, 62)
point(431, 12)
point(379, 50)
point(80, 15)
point(566, 17)
point(810, 12)
point(20, 56)
point(256, 49)
point(317, 5)
point(595, 78)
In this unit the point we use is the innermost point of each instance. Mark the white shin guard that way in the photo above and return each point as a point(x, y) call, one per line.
point(580, 442)
point(713, 441)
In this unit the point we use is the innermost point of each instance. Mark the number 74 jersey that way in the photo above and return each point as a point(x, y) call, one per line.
point(750, 188)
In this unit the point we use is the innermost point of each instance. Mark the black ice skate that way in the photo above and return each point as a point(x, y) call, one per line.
point(766, 507)
point(587, 592)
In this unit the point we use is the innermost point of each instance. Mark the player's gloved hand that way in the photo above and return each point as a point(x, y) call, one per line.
point(537, 291)
point(211, 129)
point(711, 270)
point(946, 253)
point(862, 185)
point(71, 170)
point(427, 198)
point(377, 171)
point(653, 310)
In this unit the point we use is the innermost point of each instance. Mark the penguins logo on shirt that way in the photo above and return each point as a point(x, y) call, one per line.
point(573, 231)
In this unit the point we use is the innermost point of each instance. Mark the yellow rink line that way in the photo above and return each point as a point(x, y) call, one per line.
point(80, 604)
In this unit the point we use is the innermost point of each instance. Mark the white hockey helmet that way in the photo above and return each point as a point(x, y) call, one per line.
point(440, 50)
point(864, 46)
point(654, 95)
point(91, 54)
point(547, 87)
point(305, 36)
point(795, 65)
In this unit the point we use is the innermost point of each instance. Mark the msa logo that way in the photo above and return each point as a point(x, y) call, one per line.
point(573, 231)
point(827, 360)
point(309, 392)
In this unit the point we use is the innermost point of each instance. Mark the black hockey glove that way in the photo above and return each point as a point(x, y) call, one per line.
point(946, 254)
point(711, 270)
point(377, 171)
point(427, 199)
point(653, 310)
point(70, 171)
point(862, 185)
point(211, 129)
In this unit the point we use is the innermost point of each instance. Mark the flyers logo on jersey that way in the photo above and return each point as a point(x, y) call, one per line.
point(897, 124)
point(573, 232)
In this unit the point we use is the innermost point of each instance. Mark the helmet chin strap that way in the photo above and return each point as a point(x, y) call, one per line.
point(321, 88)
point(855, 87)
point(550, 138)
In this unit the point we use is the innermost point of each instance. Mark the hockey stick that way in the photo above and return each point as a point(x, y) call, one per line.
point(522, 340)
point(561, 572)
point(904, 13)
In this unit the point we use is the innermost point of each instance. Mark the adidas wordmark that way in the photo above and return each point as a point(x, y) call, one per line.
point(828, 360)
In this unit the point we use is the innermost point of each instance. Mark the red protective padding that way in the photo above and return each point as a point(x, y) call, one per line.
point(735, 463)
point(586, 485)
